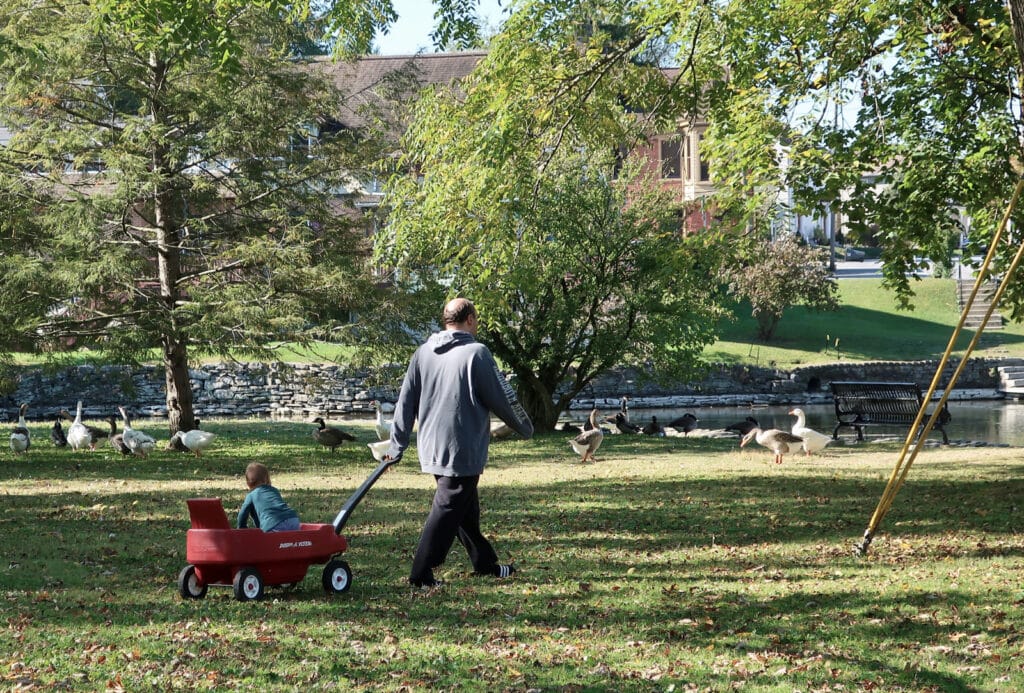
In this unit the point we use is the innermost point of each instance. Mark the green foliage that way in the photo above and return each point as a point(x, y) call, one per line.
point(205, 230)
point(676, 563)
point(900, 115)
point(784, 273)
point(574, 270)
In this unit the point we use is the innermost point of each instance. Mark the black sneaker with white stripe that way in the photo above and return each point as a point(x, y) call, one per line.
point(505, 570)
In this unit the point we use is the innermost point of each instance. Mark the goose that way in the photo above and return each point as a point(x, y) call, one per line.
point(116, 439)
point(177, 444)
point(813, 440)
point(329, 436)
point(21, 439)
point(138, 442)
point(382, 425)
point(778, 441)
point(744, 427)
point(79, 435)
point(195, 440)
point(624, 407)
point(570, 427)
point(685, 423)
point(57, 434)
point(587, 442)
point(379, 448)
point(95, 432)
point(653, 428)
point(622, 425)
point(501, 430)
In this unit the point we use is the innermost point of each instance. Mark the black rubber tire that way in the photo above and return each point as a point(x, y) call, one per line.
point(248, 585)
point(188, 584)
point(337, 576)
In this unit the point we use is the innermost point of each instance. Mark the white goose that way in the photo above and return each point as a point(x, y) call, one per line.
point(813, 440)
point(587, 442)
point(195, 440)
point(382, 425)
point(778, 441)
point(138, 442)
point(21, 440)
point(79, 436)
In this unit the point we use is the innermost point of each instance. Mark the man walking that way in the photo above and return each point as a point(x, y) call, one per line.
point(451, 387)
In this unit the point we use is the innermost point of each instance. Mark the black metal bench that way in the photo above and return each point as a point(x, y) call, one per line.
point(862, 404)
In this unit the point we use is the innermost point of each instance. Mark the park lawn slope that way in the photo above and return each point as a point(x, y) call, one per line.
point(671, 564)
point(868, 327)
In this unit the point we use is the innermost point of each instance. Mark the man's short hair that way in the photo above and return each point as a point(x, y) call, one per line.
point(458, 311)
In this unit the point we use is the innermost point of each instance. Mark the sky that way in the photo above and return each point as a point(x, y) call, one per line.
point(416, 20)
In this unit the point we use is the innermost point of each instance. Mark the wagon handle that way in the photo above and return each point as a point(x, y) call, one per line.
point(357, 495)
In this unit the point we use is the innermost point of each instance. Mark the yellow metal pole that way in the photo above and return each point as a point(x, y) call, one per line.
point(903, 463)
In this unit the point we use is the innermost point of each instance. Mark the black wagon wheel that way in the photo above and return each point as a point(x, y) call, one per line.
point(248, 585)
point(189, 586)
point(337, 576)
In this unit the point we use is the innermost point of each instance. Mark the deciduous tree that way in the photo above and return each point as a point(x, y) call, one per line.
point(574, 270)
point(780, 274)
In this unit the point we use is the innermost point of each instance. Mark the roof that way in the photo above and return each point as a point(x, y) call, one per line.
point(369, 82)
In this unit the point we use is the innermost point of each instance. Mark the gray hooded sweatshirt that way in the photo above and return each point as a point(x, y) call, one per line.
point(451, 387)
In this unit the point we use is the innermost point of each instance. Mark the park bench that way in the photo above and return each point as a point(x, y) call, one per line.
point(862, 404)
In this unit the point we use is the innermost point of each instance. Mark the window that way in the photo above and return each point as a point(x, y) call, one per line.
point(705, 172)
point(670, 159)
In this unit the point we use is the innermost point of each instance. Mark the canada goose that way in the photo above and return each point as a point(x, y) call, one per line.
point(621, 424)
point(653, 428)
point(116, 439)
point(778, 441)
point(813, 440)
point(685, 423)
point(744, 427)
point(138, 442)
point(587, 442)
point(329, 436)
point(21, 439)
point(570, 427)
point(57, 435)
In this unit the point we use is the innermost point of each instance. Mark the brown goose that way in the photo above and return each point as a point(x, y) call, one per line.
point(116, 439)
point(329, 436)
point(778, 441)
point(587, 442)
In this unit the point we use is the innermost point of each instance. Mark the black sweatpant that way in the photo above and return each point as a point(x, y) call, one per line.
point(455, 512)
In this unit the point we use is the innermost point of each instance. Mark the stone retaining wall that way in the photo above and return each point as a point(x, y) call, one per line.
point(306, 390)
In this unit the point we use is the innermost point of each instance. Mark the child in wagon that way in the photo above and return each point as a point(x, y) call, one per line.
point(264, 504)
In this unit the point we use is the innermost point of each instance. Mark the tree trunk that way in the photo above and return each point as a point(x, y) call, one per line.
point(179, 386)
point(1017, 21)
point(536, 400)
point(166, 206)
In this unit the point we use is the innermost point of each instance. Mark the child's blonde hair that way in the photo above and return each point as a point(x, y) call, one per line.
point(256, 474)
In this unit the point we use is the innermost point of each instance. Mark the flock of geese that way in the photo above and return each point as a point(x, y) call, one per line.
point(131, 441)
point(128, 441)
point(586, 442)
point(780, 442)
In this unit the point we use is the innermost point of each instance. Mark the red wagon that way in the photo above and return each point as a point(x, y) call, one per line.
point(250, 559)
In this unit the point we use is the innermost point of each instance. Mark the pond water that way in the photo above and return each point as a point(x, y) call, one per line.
point(989, 421)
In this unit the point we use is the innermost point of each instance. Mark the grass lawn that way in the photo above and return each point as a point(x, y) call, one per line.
point(868, 327)
point(672, 564)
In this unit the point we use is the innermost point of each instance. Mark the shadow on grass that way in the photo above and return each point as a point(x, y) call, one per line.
point(735, 568)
